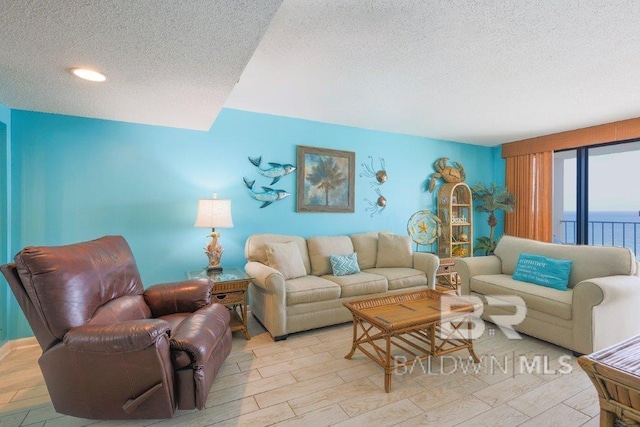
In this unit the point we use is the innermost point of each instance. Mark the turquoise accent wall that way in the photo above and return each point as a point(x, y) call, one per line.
point(76, 179)
point(5, 128)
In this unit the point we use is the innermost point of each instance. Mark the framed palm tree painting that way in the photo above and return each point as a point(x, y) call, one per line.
point(326, 180)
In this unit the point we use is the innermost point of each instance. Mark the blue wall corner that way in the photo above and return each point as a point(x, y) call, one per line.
point(5, 129)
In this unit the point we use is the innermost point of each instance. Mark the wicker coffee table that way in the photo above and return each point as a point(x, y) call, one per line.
point(412, 322)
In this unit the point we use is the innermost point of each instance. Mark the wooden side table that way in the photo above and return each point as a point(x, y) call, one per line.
point(229, 288)
point(615, 374)
point(447, 279)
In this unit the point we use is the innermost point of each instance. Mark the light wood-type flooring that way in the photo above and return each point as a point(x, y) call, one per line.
point(306, 381)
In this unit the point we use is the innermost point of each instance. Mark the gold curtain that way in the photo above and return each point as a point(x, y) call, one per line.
point(530, 178)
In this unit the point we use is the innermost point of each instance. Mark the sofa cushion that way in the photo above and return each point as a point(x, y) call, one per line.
point(343, 265)
point(285, 257)
point(310, 289)
point(359, 284)
point(366, 246)
point(542, 270)
point(322, 247)
point(546, 300)
point(589, 262)
point(254, 249)
point(394, 251)
point(400, 278)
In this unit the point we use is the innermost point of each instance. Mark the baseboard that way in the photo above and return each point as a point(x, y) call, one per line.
point(9, 346)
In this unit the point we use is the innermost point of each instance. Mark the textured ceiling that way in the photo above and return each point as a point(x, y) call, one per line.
point(167, 62)
point(477, 71)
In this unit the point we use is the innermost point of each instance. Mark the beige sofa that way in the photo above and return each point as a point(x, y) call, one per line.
point(601, 306)
point(294, 289)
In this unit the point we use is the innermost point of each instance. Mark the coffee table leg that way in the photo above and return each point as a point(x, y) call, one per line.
point(470, 338)
point(355, 338)
point(388, 370)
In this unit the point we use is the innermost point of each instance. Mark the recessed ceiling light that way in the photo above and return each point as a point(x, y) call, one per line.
point(90, 75)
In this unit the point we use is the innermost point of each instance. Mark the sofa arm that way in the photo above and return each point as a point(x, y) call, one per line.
point(428, 263)
point(178, 297)
point(268, 298)
point(469, 267)
point(269, 279)
point(123, 337)
point(605, 312)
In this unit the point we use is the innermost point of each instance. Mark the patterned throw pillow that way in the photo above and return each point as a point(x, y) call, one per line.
point(343, 265)
point(540, 270)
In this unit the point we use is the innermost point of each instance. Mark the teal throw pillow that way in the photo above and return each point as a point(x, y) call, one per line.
point(343, 265)
point(540, 270)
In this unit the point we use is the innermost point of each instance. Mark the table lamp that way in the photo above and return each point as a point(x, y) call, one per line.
point(214, 213)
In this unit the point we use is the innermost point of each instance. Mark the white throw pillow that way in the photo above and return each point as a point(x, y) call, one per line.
point(394, 251)
point(285, 257)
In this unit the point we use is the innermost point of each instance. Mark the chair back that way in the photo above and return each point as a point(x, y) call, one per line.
point(63, 287)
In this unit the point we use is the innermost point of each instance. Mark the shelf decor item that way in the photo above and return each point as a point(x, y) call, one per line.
point(456, 214)
point(214, 213)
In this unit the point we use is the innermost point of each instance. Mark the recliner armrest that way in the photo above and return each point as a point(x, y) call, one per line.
point(178, 297)
point(199, 333)
point(123, 337)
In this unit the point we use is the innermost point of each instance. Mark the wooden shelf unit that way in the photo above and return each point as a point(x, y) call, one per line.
point(455, 210)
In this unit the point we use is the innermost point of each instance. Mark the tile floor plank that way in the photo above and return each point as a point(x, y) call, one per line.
point(305, 380)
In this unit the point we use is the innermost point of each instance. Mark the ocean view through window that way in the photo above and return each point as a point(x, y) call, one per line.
point(605, 229)
point(611, 174)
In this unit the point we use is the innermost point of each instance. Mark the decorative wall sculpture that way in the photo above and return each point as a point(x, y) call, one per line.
point(370, 171)
point(453, 173)
point(380, 177)
point(378, 205)
point(275, 171)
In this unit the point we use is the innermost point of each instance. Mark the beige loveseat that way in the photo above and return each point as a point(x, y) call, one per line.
point(601, 306)
point(294, 289)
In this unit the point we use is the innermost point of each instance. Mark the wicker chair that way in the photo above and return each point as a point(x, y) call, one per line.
point(615, 372)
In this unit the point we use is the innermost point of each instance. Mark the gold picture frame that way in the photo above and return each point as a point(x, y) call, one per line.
point(326, 180)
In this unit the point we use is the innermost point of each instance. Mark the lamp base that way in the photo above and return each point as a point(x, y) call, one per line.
point(214, 269)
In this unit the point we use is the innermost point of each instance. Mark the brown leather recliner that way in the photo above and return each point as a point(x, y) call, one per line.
point(110, 349)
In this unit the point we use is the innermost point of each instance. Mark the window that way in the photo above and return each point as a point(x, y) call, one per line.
point(595, 200)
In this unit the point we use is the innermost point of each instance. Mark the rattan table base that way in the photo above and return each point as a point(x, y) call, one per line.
point(413, 322)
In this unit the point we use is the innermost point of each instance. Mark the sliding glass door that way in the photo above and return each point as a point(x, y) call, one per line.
point(595, 197)
point(614, 200)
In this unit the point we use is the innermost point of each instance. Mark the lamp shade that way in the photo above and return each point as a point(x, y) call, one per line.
point(214, 213)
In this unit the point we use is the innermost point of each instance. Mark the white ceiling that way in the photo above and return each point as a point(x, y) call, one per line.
point(477, 71)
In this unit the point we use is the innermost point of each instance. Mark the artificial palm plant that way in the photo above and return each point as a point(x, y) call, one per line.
point(491, 198)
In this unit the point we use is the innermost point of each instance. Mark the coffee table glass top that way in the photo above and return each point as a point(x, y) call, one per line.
point(230, 274)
